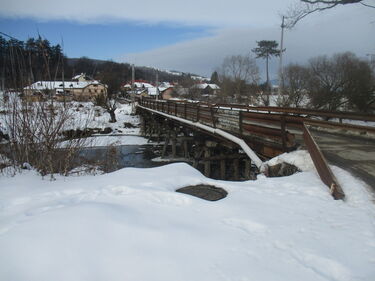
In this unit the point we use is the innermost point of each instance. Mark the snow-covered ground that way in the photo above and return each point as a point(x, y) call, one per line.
point(131, 225)
point(85, 114)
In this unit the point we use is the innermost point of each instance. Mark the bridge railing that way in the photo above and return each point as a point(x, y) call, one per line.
point(272, 116)
point(271, 131)
point(263, 125)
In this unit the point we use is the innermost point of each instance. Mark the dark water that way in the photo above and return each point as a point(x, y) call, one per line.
point(117, 157)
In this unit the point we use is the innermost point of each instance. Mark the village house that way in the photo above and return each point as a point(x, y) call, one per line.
point(82, 78)
point(206, 89)
point(144, 89)
point(76, 90)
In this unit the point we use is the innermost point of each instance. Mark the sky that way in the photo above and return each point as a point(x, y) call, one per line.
point(192, 37)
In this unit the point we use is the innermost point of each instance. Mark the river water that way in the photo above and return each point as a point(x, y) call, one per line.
point(116, 157)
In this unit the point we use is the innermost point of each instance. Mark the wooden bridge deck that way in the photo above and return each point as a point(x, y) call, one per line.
point(271, 131)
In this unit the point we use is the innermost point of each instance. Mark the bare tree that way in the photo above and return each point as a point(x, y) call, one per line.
point(295, 85)
point(35, 132)
point(303, 8)
point(109, 103)
point(236, 74)
point(341, 81)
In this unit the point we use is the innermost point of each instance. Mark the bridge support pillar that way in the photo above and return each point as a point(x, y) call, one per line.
point(222, 167)
point(165, 147)
point(207, 163)
point(236, 174)
point(247, 169)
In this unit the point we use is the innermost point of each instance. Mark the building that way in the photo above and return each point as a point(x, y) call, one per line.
point(207, 89)
point(145, 89)
point(82, 78)
point(77, 90)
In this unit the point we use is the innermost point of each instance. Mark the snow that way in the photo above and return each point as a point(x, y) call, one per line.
point(131, 225)
point(299, 158)
point(205, 85)
point(44, 85)
point(85, 114)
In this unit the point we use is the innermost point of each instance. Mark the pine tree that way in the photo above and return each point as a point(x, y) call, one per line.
point(265, 50)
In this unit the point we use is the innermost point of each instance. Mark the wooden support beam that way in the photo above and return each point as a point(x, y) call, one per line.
point(186, 149)
point(247, 168)
point(236, 173)
point(165, 147)
point(225, 157)
point(207, 163)
point(222, 168)
point(174, 146)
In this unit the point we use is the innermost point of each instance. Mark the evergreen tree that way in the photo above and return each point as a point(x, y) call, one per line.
point(265, 50)
point(214, 78)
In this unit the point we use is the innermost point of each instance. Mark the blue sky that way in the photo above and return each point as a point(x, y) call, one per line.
point(192, 36)
point(102, 41)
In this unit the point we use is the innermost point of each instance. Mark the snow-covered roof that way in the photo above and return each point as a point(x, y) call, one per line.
point(50, 85)
point(166, 85)
point(205, 85)
point(139, 85)
point(78, 76)
point(200, 78)
point(143, 85)
point(152, 91)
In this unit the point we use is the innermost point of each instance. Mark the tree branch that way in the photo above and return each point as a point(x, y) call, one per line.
point(307, 7)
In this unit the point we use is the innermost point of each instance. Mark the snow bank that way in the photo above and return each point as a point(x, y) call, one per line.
point(299, 158)
point(131, 225)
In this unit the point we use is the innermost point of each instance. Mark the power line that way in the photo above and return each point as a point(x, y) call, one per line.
point(11, 37)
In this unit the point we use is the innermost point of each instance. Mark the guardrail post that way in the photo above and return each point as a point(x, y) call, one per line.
point(198, 113)
point(175, 109)
point(283, 133)
point(240, 122)
point(185, 110)
point(213, 117)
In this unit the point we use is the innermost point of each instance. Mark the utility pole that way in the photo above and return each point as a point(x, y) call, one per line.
point(157, 84)
point(133, 94)
point(62, 71)
point(372, 60)
point(281, 76)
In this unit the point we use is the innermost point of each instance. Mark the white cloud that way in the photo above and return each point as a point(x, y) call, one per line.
point(333, 32)
point(236, 25)
point(192, 12)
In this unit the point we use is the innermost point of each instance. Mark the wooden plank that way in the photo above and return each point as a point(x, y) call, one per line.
point(321, 165)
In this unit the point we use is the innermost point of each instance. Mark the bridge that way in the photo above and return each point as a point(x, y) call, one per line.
point(247, 136)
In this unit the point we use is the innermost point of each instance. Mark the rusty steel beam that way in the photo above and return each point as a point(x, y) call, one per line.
point(324, 171)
